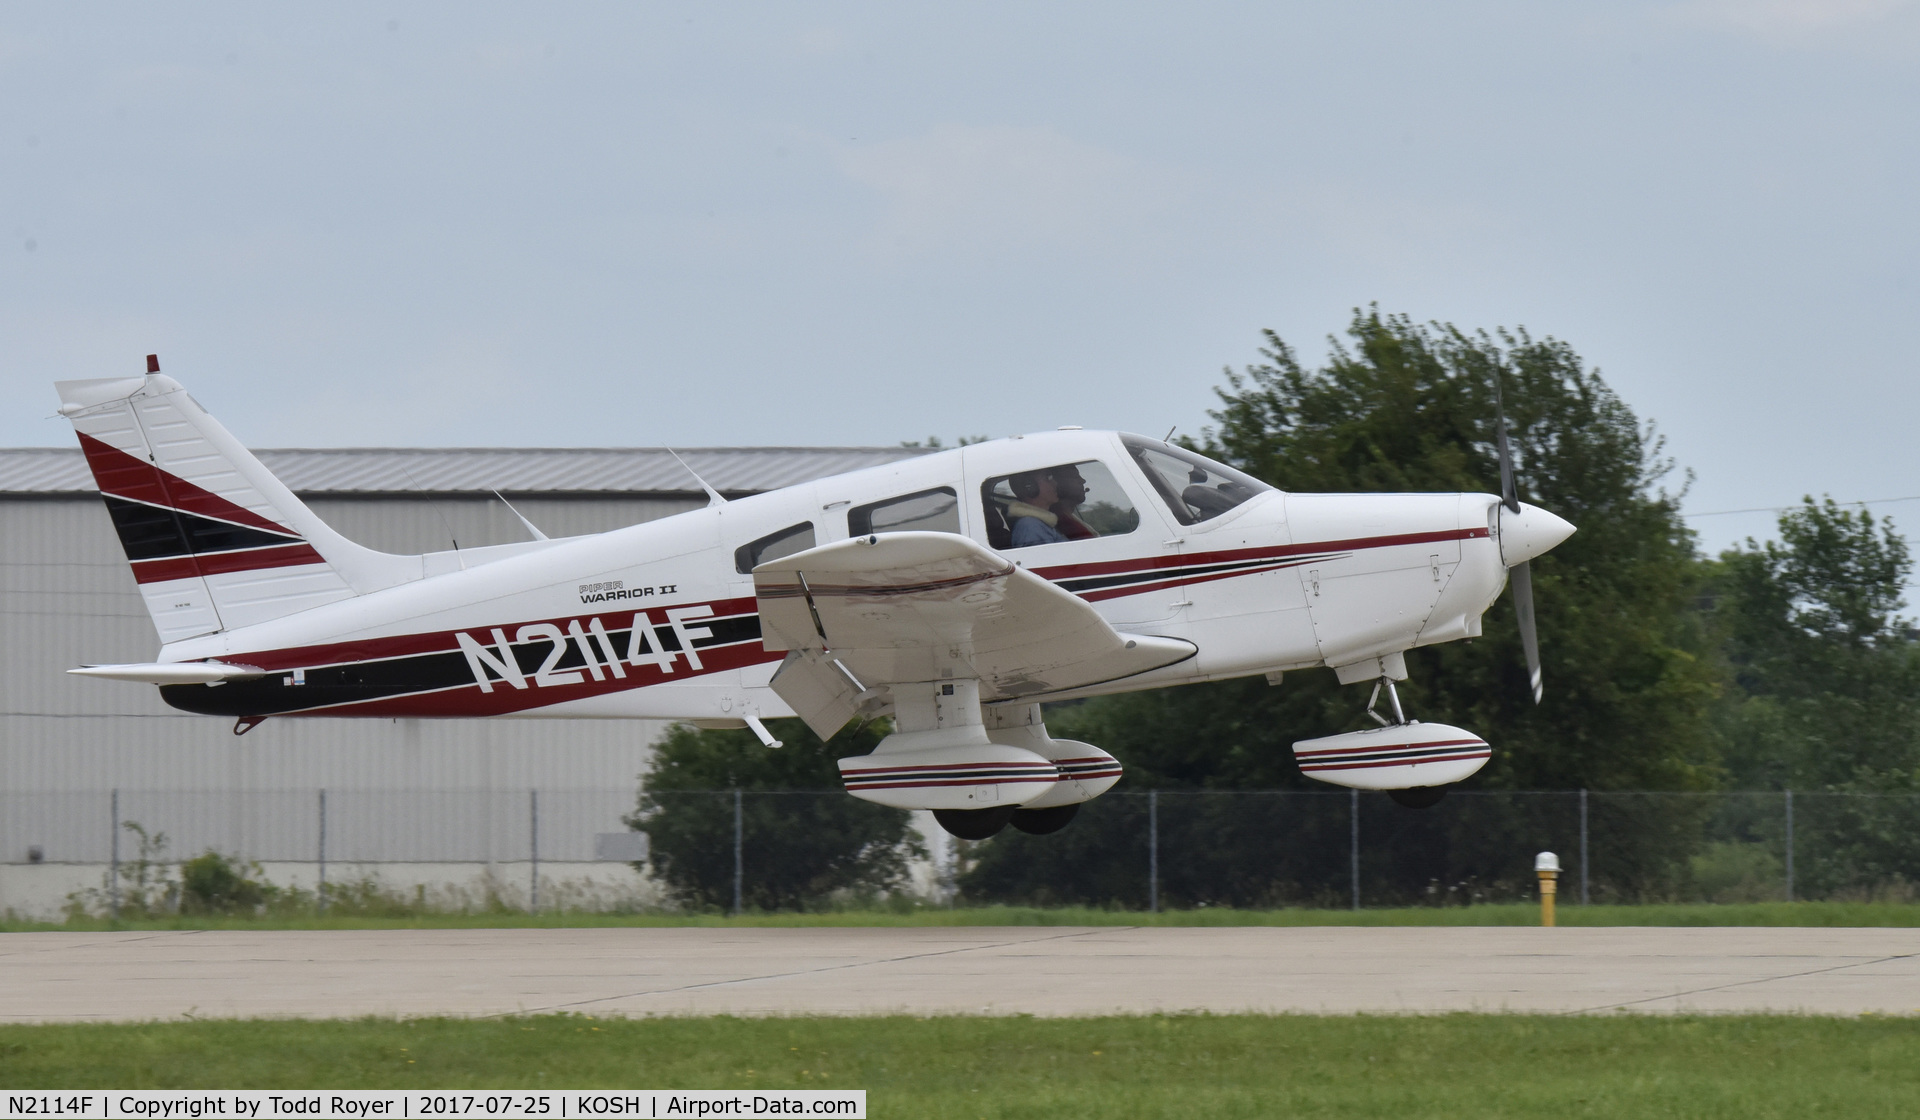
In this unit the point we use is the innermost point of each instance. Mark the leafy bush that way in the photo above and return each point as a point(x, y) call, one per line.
point(210, 883)
point(800, 848)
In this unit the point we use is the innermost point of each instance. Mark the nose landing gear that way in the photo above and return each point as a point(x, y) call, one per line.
point(1419, 797)
point(1412, 762)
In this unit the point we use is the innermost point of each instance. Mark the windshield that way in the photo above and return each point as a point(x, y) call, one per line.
point(1194, 487)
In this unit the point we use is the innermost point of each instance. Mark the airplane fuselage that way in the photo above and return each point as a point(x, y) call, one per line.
point(659, 620)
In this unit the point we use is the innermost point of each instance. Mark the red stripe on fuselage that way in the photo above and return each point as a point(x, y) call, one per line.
point(124, 476)
point(1279, 552)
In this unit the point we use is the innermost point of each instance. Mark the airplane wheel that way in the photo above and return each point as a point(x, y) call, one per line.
point(1419, 797)
point(1039, 822)
point(974, 824)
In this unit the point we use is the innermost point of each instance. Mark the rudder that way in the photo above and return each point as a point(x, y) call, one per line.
point(216, 542)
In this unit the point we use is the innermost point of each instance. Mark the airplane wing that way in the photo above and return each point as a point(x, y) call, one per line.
point(860, 614)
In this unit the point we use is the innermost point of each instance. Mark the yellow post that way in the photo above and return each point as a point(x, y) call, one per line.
point(1547, 866)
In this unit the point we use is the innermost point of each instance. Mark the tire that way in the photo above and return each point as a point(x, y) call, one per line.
point(974, 824)
point(1039, 822)
point(1419, 797)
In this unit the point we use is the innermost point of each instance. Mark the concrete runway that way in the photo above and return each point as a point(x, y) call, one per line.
point(48, 977)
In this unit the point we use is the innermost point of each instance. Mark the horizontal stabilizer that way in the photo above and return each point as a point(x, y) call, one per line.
point(177, 672)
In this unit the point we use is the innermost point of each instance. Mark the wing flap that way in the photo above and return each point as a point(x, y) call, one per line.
point(919, 606)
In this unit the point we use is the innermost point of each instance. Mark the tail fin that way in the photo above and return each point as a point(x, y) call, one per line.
point(215, 540)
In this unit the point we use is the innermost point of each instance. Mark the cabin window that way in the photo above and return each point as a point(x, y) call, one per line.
point(1194, 487)
point(786, 542)
point(929, 511)
point(1063, 502)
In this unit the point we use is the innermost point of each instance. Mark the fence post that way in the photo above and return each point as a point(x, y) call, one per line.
point(1153, 851)
point(320, 891)
point(1353, 853)
point(1583, 847)
point(738, 832)
point(533, 848)
point(113, 871)
point(1789, 845)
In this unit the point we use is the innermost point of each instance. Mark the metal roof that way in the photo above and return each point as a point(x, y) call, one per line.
point(563, 470)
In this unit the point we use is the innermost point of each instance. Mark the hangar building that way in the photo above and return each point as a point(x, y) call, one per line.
point(429, 798)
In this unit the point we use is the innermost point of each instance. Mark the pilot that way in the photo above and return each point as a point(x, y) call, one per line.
point(1042, 511)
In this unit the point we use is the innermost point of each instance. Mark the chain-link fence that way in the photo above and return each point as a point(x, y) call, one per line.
point(294, 826)
point(1349, 849)
point(729, 849)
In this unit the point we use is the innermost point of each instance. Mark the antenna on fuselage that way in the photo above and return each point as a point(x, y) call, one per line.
point(531, 527)
point(713, 496)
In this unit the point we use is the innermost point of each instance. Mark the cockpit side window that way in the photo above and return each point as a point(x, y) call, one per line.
point(932, 511)
point(1064, 502)
point(1194, 487)
point(786, 542)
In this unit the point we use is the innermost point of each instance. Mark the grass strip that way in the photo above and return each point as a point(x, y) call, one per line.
point(1216, 1066)
point(1516, 914)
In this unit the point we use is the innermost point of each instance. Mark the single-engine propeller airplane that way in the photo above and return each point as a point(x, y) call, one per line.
point(953, 592)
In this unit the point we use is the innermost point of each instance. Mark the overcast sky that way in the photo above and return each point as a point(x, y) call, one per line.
point(477, 224)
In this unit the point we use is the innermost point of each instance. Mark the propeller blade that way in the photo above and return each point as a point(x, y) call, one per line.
point(1520, 576)
point(1509, 493)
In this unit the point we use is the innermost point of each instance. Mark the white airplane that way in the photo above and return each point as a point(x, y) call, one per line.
point(951, 592)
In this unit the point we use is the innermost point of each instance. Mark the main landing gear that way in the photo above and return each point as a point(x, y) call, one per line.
point(978, 824)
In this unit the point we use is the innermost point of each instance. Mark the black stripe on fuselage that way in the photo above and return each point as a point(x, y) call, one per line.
point(361, 681)
point(1161, 575)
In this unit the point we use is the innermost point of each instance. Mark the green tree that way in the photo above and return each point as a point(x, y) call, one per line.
point(1829, 682)
point(798, 847)
point(1828, 696)
point(1629, 673)
point(1411, 407)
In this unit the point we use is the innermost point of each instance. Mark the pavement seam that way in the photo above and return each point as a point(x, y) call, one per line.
point(1742, 983)
point(810, 971)
point(116, 942)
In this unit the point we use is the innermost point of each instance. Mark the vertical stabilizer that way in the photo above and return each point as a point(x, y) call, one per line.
point(216, 542)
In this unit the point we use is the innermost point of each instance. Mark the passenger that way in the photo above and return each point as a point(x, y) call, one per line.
point(1042, 511)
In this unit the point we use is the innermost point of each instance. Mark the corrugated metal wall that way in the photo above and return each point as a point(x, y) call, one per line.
point(67, 598)
point(410, 525)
